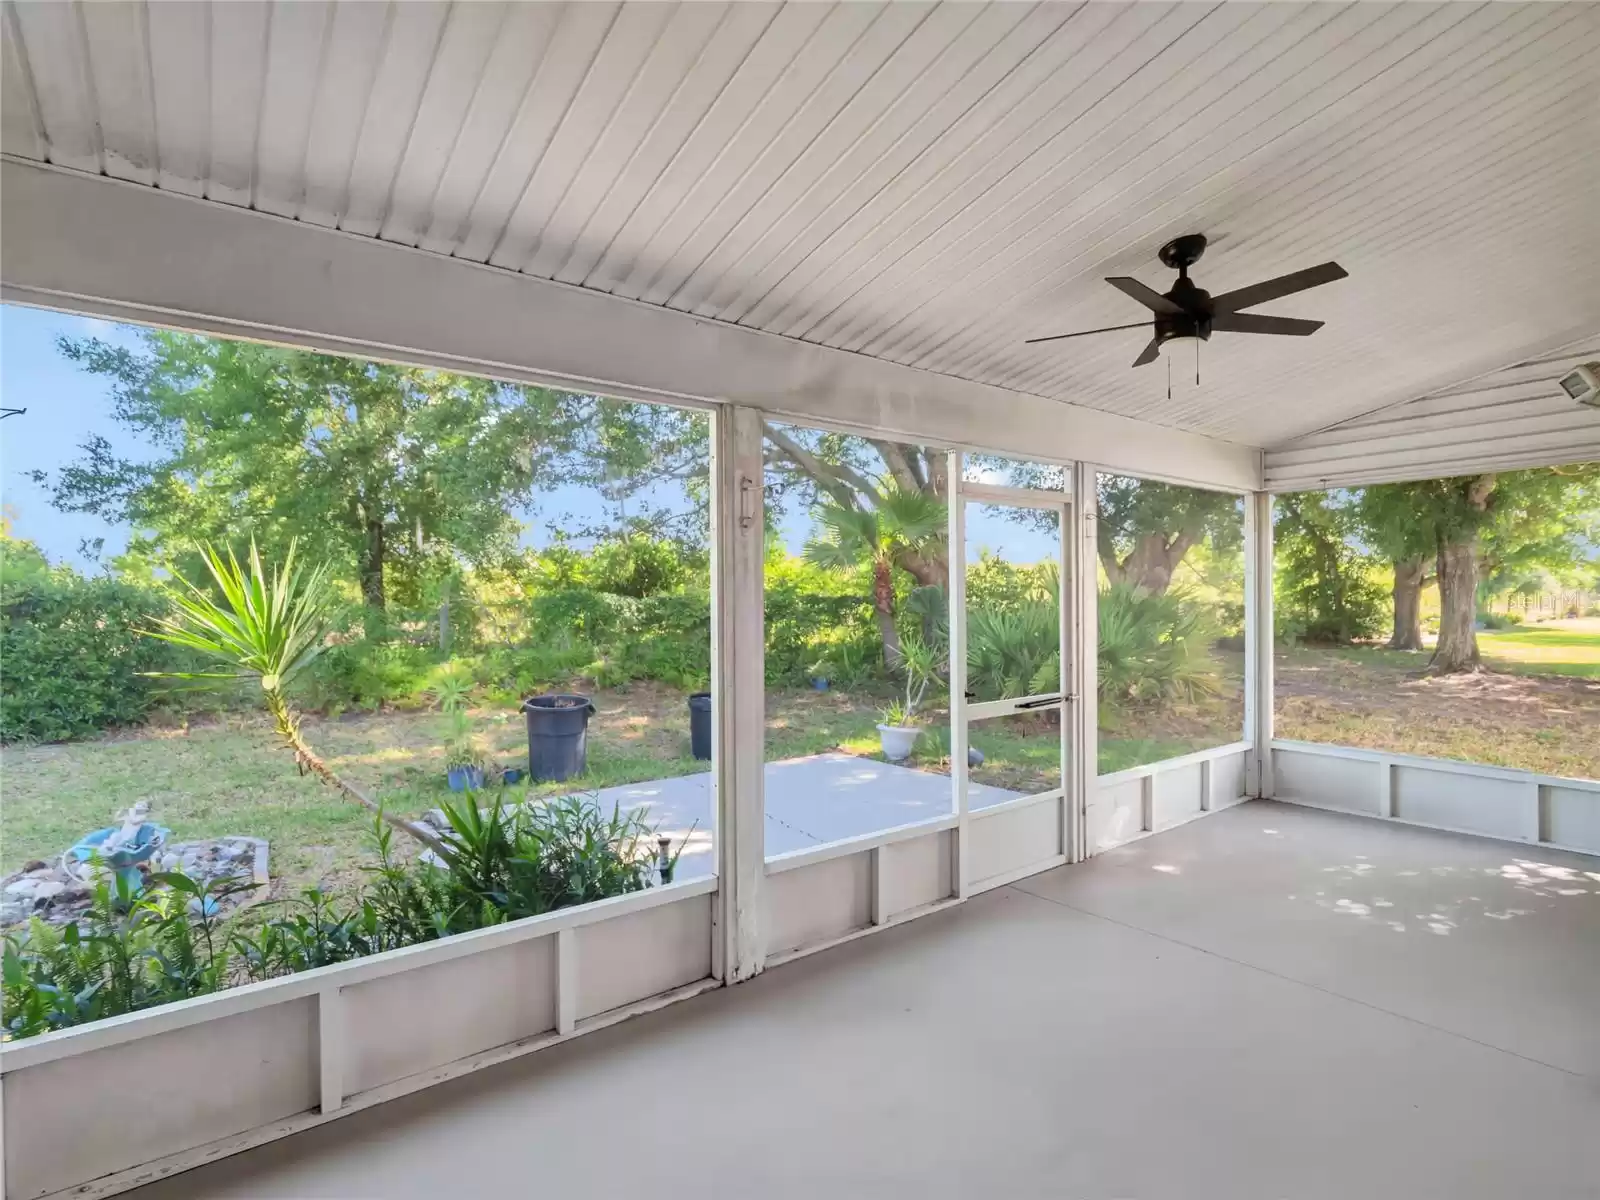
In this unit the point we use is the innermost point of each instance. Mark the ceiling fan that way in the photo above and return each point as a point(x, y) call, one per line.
point(1191, 313)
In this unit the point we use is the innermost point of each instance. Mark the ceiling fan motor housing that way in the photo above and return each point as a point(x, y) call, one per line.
point(1194, 321)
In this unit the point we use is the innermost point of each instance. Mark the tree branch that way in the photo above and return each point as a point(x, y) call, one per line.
point(842, 482)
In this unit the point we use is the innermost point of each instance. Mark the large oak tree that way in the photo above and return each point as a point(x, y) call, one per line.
point(377, 469)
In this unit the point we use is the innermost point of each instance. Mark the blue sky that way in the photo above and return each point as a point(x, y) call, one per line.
point(65, 405)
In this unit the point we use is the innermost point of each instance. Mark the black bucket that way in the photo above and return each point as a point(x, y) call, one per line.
point(700, 725)
point(557, 735)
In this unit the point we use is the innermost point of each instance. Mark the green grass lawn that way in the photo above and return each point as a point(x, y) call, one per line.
point(229, 775)
point(1551, 648)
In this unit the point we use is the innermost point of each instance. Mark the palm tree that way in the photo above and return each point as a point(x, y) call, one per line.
point(902, 522)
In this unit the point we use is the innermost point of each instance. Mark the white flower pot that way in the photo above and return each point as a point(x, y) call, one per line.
point(897, 740)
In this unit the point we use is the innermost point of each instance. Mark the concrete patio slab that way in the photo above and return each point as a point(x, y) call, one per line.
point(810, 801)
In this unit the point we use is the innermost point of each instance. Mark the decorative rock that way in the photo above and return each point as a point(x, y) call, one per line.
point(47, 889)
point(37, 864)
point(53, 895)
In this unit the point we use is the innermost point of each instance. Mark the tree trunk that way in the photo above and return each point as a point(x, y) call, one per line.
point(1457, 649)
point(1408, 575)
point(1151, 563)
point(883, 609)
point(372, 559)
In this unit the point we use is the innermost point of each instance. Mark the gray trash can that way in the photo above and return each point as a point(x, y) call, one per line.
point(558, 726)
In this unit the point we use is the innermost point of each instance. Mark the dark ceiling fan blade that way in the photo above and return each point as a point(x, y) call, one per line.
point(1272, 289)
point(1232, 322)
point(1150, 354)
point(1149, 297)
point(1086, 332)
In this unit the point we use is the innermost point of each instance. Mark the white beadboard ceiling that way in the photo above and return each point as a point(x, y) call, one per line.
point(924, 183)
point(1515, 417)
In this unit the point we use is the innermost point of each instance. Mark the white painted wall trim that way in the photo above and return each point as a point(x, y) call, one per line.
point(796, 859)
point(1434, 793)
point(125, 252)
point(1173, 764)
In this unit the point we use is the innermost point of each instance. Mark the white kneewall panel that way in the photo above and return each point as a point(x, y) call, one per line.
point(1116, 813)
point(168, 1092)
point(1571, 817)
point(915, 873)
point(1463, 797)
point(1228, 780)
point(1309, 777)
point(1452, 800)
point(404, 1023)
point(642, 954)
point(1176, 795)
point(817, 903)
point(1004, 841)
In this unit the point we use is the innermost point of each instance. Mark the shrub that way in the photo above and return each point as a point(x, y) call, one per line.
point(72, 656)
point(129, 953)
point(124, 954)
point(1014, 651)
point(635, 566)
point(366, 674)
point(1153, 647)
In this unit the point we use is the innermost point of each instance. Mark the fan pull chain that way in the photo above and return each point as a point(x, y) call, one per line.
point(1197, 363)
point(1169, 375)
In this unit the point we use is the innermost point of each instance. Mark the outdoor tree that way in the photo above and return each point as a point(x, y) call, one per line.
point(862, 475)
point(1392, 520)
point(903, 524)
point(378, 469)
point(1323, 587)
point(1143, 528)
point(1471, 529)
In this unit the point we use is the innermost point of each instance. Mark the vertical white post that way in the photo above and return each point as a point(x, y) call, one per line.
point(1386, 788)
point(738, 692)
point(3, 1192)
point(1085, 583)
point(566, 980)
point(1205, 785)
point(880, 907)
point(956, 554)
point(1258, 641)
point(1147, 802)
point(331, 1047)
point(1067, 638)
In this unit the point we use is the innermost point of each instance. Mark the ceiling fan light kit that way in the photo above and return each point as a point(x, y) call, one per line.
point(1187, 312)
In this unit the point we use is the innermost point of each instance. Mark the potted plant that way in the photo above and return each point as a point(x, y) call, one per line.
point(463, 763)
point(898, 731)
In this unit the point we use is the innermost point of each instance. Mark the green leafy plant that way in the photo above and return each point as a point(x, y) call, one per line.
point(74, 660)
point(1153, 647)
point(901, 522)
point(124, 954)
point(267, 628)
point(461, 748)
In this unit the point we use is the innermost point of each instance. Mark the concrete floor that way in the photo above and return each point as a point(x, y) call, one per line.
point(810, 801)
point(1269, 1002)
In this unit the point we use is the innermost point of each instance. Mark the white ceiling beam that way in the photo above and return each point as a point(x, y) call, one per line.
point(88, 244)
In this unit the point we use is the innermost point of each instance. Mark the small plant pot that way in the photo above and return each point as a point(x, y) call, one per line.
point(897, 741)
point(819, 684)
point(464, 778)
point(513, 775)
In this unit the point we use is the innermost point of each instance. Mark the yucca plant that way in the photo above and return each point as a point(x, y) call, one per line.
point(267, 626)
